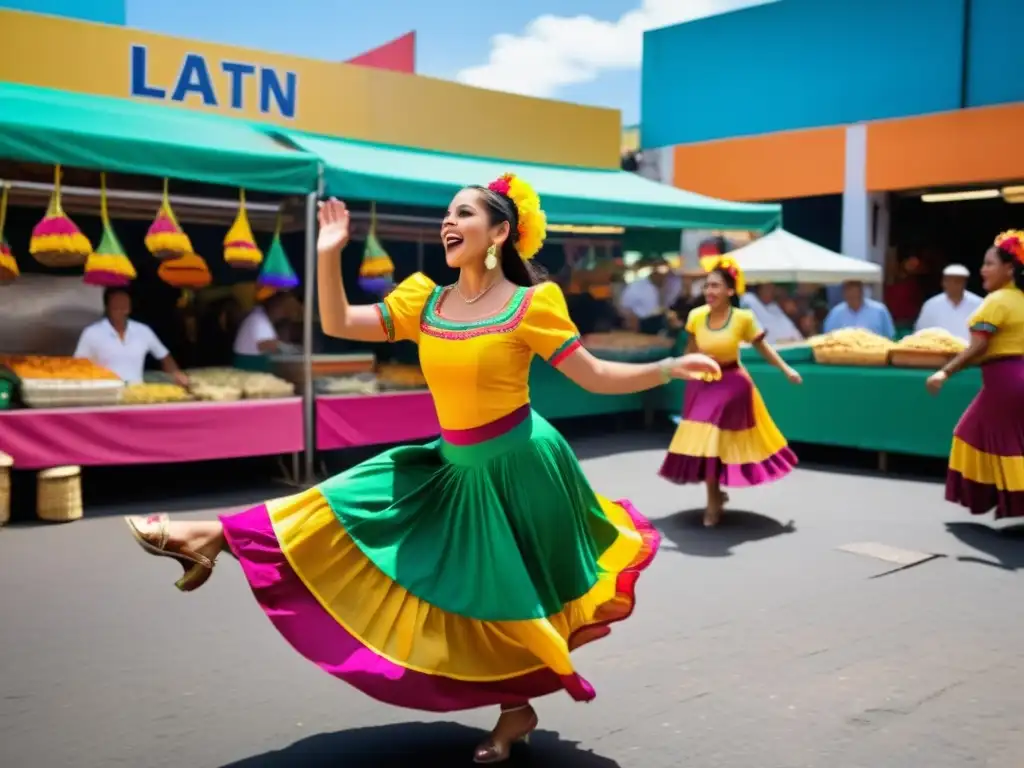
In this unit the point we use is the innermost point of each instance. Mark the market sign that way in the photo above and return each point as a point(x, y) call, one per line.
point(321, 97)
point(218, 82)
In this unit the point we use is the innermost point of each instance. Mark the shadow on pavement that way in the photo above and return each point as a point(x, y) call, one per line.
point(401, 745)
point(688, 535)
point(1004, 545)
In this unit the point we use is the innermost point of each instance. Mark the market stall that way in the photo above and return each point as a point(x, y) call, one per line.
point(59, 411)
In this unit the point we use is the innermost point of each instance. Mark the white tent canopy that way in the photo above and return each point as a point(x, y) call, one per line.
point(781, 257)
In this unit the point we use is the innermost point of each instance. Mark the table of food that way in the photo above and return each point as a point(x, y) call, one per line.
point(76, 412)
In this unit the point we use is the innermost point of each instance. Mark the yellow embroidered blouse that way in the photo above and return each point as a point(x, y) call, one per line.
point(723, 344)
point(479, 371)
point(1001, 317)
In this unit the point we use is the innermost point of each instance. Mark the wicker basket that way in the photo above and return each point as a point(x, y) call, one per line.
point(868, 358)
point(6, 462)
point(59, 495)
point(917, 358)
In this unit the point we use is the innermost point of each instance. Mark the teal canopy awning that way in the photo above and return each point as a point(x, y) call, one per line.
point(588, 197)
point(56, 127)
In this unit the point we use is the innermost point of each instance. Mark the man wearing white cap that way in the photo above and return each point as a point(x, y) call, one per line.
point(952, 308)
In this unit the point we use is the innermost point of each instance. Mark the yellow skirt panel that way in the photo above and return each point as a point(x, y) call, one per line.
point(414, 634)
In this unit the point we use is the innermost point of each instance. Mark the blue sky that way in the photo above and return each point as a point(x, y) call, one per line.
point(587, 53)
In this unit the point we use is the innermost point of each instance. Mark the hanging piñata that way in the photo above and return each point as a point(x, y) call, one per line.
point(165, 238)
point(56, 240)
point(240, 249)
point(376, 273)
point(188, 272)
point(8, 264)
point(108, 266)
point(277, 273)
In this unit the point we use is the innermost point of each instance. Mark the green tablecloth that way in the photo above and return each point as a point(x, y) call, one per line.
point(875, 409)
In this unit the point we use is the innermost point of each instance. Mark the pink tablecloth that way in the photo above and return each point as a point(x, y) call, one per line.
point(151, 434)
point(346, 421)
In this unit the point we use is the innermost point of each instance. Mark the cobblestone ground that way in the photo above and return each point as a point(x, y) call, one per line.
point(756, 645)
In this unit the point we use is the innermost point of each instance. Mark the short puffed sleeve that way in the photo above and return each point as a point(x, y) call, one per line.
point(991, 315)
point(695, 318)
point(401, 309)
point(547, 328)
point(748, 328)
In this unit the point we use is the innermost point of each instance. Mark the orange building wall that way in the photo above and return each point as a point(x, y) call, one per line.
point(969, 146)
point(775, 166)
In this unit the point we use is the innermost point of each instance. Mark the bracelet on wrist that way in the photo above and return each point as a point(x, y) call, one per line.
point(665, 369)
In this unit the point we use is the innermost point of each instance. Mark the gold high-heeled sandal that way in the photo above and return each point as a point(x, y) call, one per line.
point(196, 565)
point(492, 751)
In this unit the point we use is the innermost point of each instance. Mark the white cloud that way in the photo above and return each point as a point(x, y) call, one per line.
point(557, 51)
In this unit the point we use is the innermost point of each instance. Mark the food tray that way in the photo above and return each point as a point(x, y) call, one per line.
point(63, 393)
point(866, 358)
point(919, 358)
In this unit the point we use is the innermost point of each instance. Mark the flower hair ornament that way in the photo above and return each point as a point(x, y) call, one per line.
point(533, 225)
point(1012, 242)
point(728, 265)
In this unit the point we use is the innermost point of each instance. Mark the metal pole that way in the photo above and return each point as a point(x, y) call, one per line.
point(309, 297)
point(419, 254)
point(144, 197)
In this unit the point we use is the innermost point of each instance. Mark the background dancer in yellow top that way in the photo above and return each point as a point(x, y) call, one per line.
point(726, 437)
point(986, 462)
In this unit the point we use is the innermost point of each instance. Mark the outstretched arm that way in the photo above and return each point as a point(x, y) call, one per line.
point(338, 318)
point(606, 377)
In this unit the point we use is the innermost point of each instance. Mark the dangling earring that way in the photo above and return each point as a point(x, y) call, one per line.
point(492, 257)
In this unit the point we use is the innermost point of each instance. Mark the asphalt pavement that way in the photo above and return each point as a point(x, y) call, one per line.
point(756, 645)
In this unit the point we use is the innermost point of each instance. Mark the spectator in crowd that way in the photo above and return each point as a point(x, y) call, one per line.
point(858, 311)
point(773, 319)
point(644, 301)
point(951, 309)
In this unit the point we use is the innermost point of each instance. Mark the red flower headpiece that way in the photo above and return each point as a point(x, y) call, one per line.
point(1012, 241)
point(532, 223)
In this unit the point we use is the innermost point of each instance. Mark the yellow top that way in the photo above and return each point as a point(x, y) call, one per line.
point(478, 371)
point(1001, 317)
point(723, 344)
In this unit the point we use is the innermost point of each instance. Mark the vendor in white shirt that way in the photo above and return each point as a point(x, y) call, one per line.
point(643, 302)
point(121, 344)
point(257, 337)
point(774, 321)
point(952, 308)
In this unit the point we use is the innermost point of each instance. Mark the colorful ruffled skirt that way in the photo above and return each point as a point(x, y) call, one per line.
point(727, 433)
point(449, 576)
point(986, 462)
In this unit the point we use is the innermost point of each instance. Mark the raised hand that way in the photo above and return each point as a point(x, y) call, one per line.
point(333, 218)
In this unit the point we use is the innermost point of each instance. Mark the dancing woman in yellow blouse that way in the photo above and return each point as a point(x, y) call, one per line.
point(986, 462)
point(727, 437)
point(462, 573)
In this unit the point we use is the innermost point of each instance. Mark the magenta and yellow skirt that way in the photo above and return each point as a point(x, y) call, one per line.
point(727, 434)
point(986, 462)
point(449, 576)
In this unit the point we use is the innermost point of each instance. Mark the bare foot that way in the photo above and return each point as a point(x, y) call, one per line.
point(513, 725)
point(713, 515)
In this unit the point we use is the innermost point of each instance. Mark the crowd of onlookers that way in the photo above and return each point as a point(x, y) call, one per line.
point(659, 302)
